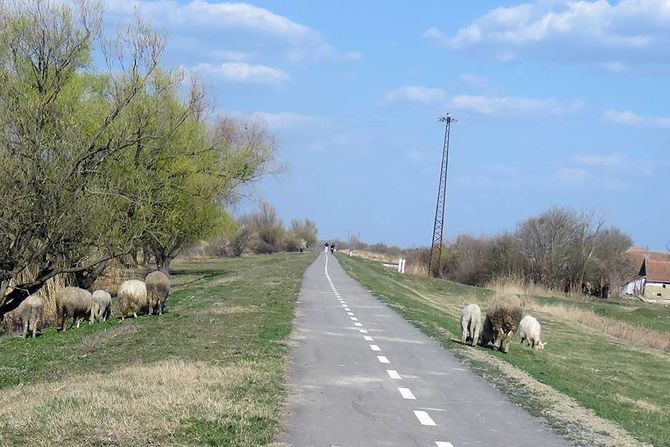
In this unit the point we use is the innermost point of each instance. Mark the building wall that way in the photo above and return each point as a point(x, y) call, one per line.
point(652, 289)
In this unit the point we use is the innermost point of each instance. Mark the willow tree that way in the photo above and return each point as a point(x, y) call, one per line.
point(58, 127)
point(184, 172)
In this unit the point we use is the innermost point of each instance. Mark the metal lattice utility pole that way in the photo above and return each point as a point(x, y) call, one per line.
point(435, 262)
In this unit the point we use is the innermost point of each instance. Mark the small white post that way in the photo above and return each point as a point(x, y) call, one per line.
point(404, 263)
point(400, 265)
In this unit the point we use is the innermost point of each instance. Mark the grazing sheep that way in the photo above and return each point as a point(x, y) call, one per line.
point(471, 324)
point(75, 303)
point(529, 330)
point(158, 289)
point(132, 296)
point(30, 312)
point(102, 305)
point(502, 321)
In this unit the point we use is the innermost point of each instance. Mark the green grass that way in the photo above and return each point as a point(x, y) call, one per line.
point(225, 318)
point(619, 382)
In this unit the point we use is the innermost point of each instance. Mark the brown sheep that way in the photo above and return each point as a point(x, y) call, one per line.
point(75, 303)
point(502, 321)
point(30, 312)
point(158, 289)
point(132, 295)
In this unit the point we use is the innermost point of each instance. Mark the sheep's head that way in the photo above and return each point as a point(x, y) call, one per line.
point(539, 345)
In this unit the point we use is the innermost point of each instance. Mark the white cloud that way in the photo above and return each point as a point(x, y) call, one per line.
point(632, 119)
point(414, 93)
point(572, 176)
point(474, 80)
point(499, 105)
point(600, 161)
point(199, 12)
point(244, 72)
point(614, 35)
point(232, 28)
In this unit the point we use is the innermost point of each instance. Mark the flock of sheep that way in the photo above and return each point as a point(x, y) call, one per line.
point(502, 321)
point(78, 304)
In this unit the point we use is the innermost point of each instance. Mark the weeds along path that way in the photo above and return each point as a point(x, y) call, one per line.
point(591, 387)
point(209, 371)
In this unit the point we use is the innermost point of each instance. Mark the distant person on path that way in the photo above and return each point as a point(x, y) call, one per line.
point(332, 247)
point(325, 247)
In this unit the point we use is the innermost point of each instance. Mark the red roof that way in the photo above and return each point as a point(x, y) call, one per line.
point(639, 254)
point(657, 270)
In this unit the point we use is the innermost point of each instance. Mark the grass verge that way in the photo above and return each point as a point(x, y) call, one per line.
point(211, 371)
point(614, 380)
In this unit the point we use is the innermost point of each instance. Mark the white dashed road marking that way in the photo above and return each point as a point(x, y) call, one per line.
point(393, 374)
point(406, 393)
point(424, 418)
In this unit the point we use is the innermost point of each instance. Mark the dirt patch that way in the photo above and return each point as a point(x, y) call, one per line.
point(225, 280)
point(640, 403)
point(561, 408)
point(99, 339)
point(228, 309)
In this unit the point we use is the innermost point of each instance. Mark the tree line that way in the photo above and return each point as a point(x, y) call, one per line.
point(560, 249)
point(104, 150)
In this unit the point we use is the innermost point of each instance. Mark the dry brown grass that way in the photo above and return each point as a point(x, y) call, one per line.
point(416, 269)
point(372, 256)
point(518, 286)
point(622, 330)
point(12, 324)
point(139, 405)
point(113, 276)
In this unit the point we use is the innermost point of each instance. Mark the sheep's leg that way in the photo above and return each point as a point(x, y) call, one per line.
point(135, 314)
point(475, 337)
point(464, 331)
point(25, 328)
point(35, 323)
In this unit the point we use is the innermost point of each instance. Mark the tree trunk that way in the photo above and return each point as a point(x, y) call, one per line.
point(86, 278)
point(163, 261)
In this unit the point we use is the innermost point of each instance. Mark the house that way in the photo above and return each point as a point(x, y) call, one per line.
point(653, 278)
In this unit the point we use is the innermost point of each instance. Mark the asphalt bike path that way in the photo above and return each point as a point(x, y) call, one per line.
point(362, 376)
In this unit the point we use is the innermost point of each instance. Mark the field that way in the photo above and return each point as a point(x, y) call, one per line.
point(211, 371)
point(581, 381)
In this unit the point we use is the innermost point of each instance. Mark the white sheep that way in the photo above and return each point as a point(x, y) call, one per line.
point(529, 330)
point(30, 312)
point(132, 296)
point(471, 324)
point(102, 305)
point(75, 303)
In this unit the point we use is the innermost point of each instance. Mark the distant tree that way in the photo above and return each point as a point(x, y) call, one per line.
point(267, 228)
point(304, 230)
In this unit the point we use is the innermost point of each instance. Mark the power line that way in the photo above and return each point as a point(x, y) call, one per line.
point(436, 261)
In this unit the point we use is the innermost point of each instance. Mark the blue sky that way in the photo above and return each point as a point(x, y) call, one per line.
point(558, 103)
